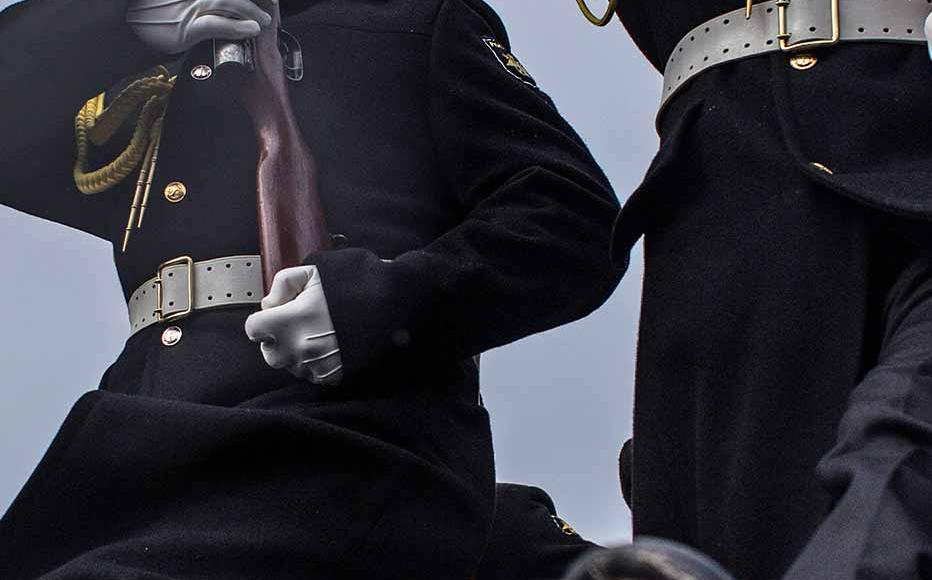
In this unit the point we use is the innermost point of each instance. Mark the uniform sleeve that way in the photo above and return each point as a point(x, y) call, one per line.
point(531, 252)
point(55, 55)
point(880, 471)
point(529, 540)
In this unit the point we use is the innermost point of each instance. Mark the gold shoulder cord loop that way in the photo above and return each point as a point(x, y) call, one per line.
point(96, 124)
point(604, 20)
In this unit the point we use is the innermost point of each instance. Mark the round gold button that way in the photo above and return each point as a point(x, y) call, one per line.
point(171, 336)
point(175, 191)
point(803, 61)
point(201, 72)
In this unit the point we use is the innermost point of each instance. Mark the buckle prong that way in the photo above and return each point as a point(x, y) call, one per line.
point(783, 35)
point(188, 262)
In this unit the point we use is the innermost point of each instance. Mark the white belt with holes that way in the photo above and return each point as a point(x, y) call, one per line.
point(791, 26)
point(182, 286)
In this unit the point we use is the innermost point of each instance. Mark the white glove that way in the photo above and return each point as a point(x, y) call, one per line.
point(929, 33)
point(295, 330)
point(173, 26)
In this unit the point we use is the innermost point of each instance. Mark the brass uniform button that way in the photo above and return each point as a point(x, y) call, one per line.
point(175, 191)
point(201, 72)
point(822, 168)
point(171, 336)
point(803, 61)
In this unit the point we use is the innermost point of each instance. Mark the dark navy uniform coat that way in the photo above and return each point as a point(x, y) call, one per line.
point(474, 216)
point(783, 415)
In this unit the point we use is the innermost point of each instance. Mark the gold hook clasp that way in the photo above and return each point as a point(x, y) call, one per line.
point(604, 20)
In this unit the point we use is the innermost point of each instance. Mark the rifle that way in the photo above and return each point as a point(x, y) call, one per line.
point(290, 212)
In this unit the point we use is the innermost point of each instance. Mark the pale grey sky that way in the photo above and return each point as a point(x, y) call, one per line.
point(560, 401)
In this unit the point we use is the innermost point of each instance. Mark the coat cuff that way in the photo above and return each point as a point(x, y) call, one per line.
point(372, 310)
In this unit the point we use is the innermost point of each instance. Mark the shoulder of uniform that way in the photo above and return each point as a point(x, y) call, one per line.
point(404, 16)
point(489, 15)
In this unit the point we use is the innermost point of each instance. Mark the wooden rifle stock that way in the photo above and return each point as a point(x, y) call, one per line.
point(291, 216)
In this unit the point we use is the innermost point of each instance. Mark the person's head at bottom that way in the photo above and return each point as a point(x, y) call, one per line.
point(647, 559)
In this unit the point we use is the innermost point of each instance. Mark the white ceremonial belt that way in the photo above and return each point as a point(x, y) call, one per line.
point(182, 286)
point(790, 26)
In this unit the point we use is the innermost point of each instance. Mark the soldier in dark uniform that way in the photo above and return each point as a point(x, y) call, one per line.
point(473, 215)
point(783, 416)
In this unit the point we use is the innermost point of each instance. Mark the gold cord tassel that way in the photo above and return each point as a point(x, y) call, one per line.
point(156, 142)
point(143, 184)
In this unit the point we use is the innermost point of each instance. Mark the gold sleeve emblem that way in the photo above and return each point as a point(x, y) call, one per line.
point(563, 526)
point(509, 61)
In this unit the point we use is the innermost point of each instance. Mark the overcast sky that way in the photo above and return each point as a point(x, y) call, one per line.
point(560, 401)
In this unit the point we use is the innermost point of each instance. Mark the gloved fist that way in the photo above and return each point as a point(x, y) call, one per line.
point(295, 330)
point(173, 26)
point(929, 33)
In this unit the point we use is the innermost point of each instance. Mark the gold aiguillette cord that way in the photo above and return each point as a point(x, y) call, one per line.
point(143, 184)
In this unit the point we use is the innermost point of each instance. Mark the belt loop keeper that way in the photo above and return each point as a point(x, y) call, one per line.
point(783, 36)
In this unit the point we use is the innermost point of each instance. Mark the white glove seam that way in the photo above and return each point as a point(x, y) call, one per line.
point(329, 374)
point(155, 22)
point(321, 357)
point(321, 335)
point(136, 8)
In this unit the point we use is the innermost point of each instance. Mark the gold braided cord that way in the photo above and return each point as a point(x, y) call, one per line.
point(91, 182)
point(594, 18)
point(149, 96)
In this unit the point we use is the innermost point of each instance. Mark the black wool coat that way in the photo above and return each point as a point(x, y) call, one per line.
point(474, 216)
point(764, 303)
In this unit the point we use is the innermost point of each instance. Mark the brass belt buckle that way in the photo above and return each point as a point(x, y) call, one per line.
point(783, 36)
point(189, 265)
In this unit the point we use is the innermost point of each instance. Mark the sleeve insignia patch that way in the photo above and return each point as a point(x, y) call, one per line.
point(509, 62)
point(563, 526)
